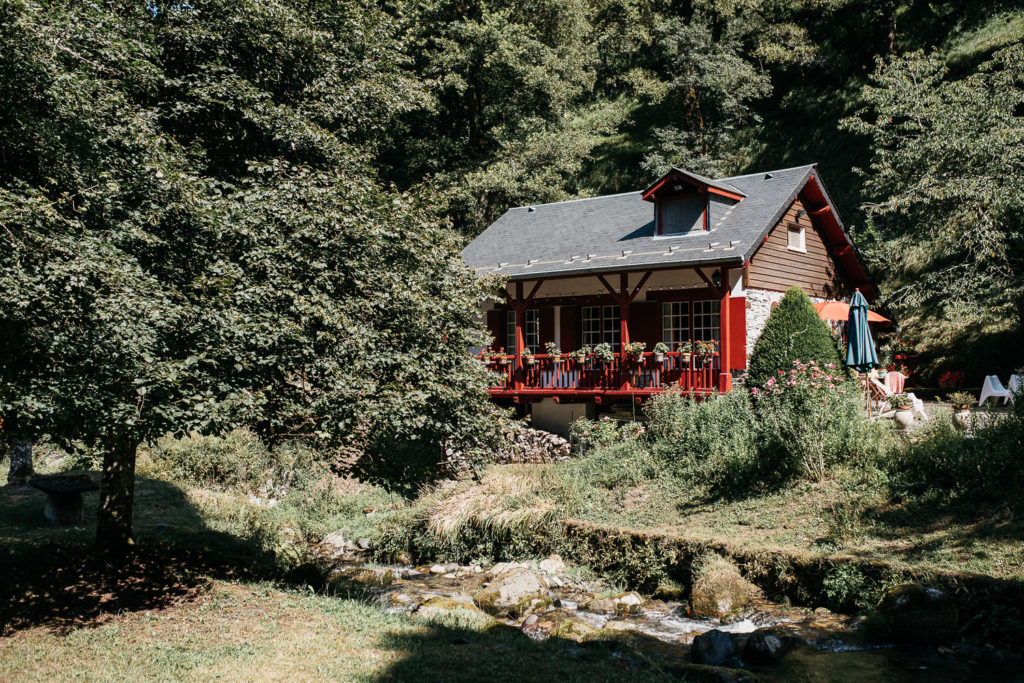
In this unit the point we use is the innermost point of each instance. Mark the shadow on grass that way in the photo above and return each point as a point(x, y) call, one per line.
point(53, 578)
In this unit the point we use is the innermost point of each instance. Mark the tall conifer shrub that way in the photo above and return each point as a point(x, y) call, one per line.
point(794, 331)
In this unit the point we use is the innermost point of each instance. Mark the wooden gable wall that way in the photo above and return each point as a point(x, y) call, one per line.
point(774, 266)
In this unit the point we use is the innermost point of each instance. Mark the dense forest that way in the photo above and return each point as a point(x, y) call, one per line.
point(220, 213)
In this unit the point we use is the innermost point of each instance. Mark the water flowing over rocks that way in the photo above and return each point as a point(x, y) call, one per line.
point(545, 599)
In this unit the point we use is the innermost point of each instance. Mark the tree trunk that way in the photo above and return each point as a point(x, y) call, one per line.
point(117, 494)
point(21, 462)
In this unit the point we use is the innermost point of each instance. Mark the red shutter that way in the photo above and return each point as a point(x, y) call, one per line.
point(645, 323)
point(546, 320)
point(567, 321)
point(496, 324)
point(738, 333)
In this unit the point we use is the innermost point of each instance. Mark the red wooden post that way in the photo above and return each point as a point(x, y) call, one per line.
point(624, 301)
point(724, 328)
point(520, 309)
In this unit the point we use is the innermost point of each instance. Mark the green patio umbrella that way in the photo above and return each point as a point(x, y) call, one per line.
point(860, 348)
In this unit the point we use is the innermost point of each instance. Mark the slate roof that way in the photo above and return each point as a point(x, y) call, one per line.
point(590, 235)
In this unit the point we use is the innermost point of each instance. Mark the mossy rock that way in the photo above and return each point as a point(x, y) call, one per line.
point(360, 578)
point(720, 591)
point(515, 593)
point(455, 613)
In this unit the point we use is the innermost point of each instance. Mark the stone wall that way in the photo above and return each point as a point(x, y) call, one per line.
point(759, 307)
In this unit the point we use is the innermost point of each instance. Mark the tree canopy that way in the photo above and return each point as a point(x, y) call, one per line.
point(192, 240)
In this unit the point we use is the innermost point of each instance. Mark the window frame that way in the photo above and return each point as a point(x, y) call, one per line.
point(792, 228)
point(708, 312)
point(662, 203)
point(531, 330)
point(604, 328)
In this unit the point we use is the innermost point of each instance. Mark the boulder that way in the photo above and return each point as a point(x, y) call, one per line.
point(624, 603)
point(552, 564)
point(360, 576)
point(917, 614)
point(768, 645)
point(514, 593)
point(720, 591)
point(714, 648)
point(455, 612)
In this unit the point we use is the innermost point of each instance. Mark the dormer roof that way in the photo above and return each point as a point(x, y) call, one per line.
point(677, 179)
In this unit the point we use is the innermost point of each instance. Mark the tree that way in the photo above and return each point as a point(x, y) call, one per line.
point(794, 331)
point(710, 91)
point(192, 241)
point(946, 215)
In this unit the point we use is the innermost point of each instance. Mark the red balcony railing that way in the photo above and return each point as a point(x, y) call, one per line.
point(571, 375)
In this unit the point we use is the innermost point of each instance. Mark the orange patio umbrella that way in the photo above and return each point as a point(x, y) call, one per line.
point(837, 310)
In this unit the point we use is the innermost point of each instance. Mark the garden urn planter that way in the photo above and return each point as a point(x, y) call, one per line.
point(686, 356)
point(962, 417)
point(529, 361)
point(556, 359)
point(659, 358)
point(904, 418)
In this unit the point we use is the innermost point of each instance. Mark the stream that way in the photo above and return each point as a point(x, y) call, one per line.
point(818, 644)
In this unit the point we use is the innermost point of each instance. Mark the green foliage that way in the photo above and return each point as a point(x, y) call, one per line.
point(708, 443)
point(813, 418)
point(950, 463)
point(594, 433)
point(193, 241)
point(947, 153)
point(794, 331)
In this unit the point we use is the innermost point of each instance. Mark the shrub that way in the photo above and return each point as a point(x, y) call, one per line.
point(710, 443)
point(589, 434)
point(237, 461)
point(813, 417)
point(984, 462)
point(794, 331)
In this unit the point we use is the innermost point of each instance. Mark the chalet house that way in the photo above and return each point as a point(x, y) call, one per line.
point(687, 259)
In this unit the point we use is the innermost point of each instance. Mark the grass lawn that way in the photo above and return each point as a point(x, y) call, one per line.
point(255, 631)
point(841, 516)
point(196, 601)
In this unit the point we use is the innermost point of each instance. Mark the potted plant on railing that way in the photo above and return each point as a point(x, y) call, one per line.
point(603, 352)
point(580, 355)
point(685, 350)
point(902, 405)
point(705, 350)
point(634, 351)
point(527, 356)
point(499, 358)
point(660, 349)
point(961, 402)
point(554, 352)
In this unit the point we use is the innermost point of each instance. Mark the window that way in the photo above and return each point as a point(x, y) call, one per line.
point(706, 321)
point(796, 238)
point(675, 322)
point(531, 331)
point(600, 325)
point(680, 216)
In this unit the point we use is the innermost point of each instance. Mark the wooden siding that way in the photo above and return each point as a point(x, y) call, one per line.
point(774, 266)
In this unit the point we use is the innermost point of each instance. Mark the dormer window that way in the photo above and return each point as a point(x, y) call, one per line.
point(680, 215)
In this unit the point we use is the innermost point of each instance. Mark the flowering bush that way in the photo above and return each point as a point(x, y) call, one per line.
point(813, 413)
point(951, 379)
point(594, 433)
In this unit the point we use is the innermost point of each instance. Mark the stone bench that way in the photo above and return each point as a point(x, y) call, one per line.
point(64, 496)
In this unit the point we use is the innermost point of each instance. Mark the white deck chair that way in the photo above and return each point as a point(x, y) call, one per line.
point(916, 403)
point(993, 388)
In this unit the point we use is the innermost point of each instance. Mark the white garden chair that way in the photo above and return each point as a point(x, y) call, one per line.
point(993, 388)
point(884, 391)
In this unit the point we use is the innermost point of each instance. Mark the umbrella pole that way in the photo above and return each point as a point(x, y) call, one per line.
point(867, 391)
